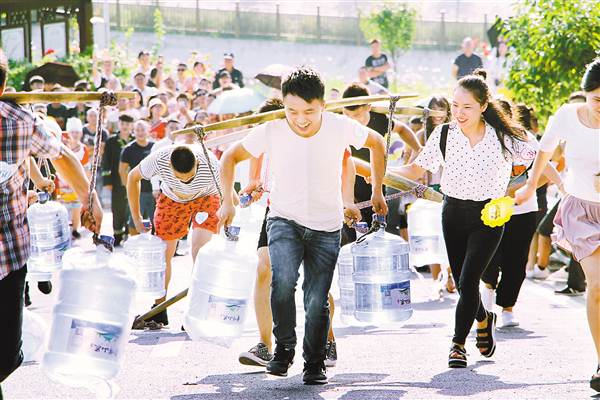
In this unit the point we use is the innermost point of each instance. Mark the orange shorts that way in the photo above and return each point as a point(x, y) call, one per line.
point(172, 219)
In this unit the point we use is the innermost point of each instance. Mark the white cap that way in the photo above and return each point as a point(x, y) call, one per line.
point(74, 125)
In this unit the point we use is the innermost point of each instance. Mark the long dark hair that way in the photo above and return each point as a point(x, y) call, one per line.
point(493, 114)
point(437, 101)
point(591, 77)
point(526, 116)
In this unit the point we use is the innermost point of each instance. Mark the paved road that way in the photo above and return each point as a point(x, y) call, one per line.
point(550, 356)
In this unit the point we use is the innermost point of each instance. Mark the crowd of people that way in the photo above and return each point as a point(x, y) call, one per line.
point(483, 148)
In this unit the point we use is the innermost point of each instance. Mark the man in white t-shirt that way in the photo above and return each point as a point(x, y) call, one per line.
point(188, 194)
point(306, 210)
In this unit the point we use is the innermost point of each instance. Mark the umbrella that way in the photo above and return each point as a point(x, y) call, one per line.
point(54, 72)
point(272, 74)
point(235, 101)
point(494, 32)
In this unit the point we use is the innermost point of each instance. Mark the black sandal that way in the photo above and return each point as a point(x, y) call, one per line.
point(457, 357)
point(595, 381)
point(487, 342)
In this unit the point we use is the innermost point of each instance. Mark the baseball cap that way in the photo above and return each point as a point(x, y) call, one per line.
point(228, 55)
point(36, 78)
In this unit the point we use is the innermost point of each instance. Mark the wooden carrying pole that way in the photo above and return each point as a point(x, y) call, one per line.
point(395, 181)
point(279, 114)
point(59, 97)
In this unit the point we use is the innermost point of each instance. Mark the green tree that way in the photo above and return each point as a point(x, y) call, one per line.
point(551, 41)
point(394, 25)
point(159, 31)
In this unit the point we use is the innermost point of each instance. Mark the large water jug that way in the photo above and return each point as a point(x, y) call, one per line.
point(346, 285)
point(146, 257)
point(33, 335)
point(50, 237)
point(222, 281)
point(91, 319)
point(425, 235)
point(381, 277)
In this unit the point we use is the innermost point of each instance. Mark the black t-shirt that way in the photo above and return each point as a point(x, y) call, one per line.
point(133, 154)
point(362, 190)
point(236, 77)
point(61, 114)
point(374, 62)
point(88, 136)
point(466, 65)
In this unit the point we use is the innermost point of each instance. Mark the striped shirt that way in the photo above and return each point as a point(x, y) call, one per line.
point(159, 164)
point(21, 135)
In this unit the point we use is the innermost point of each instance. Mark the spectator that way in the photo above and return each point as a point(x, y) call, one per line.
point(141, 85)
point(59, 111)
point(143, 63)
point(157, 123)
point(224, 81)
point(170, 84)
point(182, 78)
point(155, 78)
point(101, 79)
point(36, 83)
point(467, 62)
point(334, 94)
point(377, 64)
point(497, 66)
point(199, 101)
point(131, 156)
point(183, 113)
point(112, 179)
point(236, 75)
point(370, 84)
point(89, 129)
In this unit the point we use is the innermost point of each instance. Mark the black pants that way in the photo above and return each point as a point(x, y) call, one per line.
point(576, 279)
point(511, 258)
point(471, 246)
point(11, 315)
point(120, 210)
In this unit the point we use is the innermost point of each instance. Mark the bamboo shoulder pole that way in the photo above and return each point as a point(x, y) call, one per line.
point(279, 114)
point(59, 97)
point(395, 181)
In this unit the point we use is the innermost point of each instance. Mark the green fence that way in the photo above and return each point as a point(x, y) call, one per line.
point(275, 25)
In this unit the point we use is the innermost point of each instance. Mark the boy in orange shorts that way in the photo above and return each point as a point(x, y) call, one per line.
point(188, 193)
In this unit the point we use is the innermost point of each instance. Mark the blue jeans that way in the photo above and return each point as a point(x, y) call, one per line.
point(290, 244)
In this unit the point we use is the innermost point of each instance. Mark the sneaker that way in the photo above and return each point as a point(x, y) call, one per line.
point(488, 297)
point(569, 291)
point(76, 235)
point(509, 320)
point(258, 356)
point(314, 373)
point(540, 274)
point(160, 318)
point(45, 287)
point(529, 273)
point(330, 354)
point(280, 363)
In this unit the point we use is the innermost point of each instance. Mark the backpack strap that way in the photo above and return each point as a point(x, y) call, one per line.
point(444, 140)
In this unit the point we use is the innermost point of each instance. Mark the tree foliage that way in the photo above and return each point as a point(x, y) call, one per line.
point(551, 41)
point(395, 25)
point(159, 31)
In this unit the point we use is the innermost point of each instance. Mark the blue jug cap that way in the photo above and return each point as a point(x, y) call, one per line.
point(232, 232)
point(43, 197)
point(147, 224)
point(245, 200)
point(361, 227)
point(379, 218)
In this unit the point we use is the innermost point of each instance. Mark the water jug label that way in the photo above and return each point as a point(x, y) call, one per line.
point(150, 280)
point(424, 244)
point(379, 297)
point(228, 311)
point(94, 339)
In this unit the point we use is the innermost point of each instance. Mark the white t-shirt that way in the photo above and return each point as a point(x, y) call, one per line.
point(307, 172)
point(582, 151)
point(474, 173)
point(159, 164)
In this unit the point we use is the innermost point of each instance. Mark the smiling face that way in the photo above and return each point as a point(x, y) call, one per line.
point(303, 117)
point(438, 120)
point(465, 109)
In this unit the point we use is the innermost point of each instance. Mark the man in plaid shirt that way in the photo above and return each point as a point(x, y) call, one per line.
point(22, 135)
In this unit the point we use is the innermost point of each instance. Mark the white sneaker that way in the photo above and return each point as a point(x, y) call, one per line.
point(540, 274)
point(559, 276)
point(529, 273)
point(509, 320)
point(488, 298)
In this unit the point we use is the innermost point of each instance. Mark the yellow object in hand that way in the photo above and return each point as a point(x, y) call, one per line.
point(498, 211)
